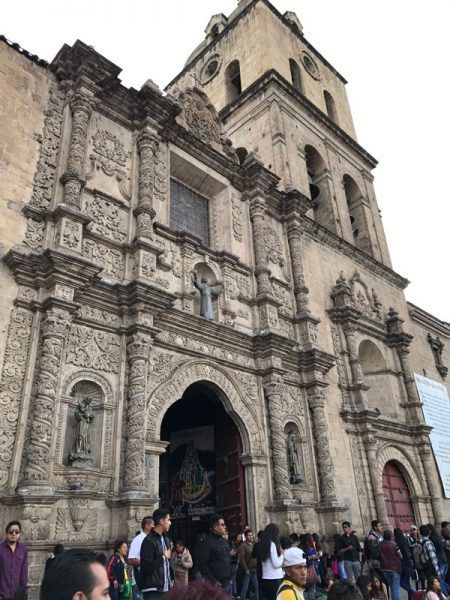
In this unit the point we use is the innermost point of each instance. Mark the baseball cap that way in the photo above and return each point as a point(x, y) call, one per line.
point(413, 528)
point(293, 557)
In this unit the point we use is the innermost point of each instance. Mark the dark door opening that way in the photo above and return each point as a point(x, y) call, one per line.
point(201, 471)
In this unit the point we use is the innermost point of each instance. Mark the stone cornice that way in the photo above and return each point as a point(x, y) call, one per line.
point(273, 77)
point(233, 22)
point(428, 321)
point(380, 423)
point(324, 235)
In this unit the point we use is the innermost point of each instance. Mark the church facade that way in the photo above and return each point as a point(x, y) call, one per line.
point(198, 306)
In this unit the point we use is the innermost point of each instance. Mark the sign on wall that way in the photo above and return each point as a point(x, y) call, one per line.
point(436, 408)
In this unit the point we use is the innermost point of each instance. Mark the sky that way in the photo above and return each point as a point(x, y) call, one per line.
point(394, 55)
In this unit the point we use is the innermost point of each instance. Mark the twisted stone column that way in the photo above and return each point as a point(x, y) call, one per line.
point(274, 391)
point(74, 177)
point(147, 144)
point(353, 356)
point(262, 272)
point(300, 289)
point(370, 444)
point(316, 401)
point(54, 329)
point(138, 352)
point(434, 486)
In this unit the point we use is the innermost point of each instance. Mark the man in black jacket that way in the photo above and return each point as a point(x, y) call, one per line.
point(156, 568)
point(214, 556)
point(350, 550)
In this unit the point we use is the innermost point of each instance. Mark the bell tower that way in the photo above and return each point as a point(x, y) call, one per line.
point(280, 98)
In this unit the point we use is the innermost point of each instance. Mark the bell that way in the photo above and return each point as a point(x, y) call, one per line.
point(313, 189)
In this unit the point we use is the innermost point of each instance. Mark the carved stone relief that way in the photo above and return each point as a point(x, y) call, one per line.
point(71, 234)
point(44, 177)
point(238, 218)
point(358, 469)
point(78, 522)
point(340, 364)
point(11, 386)
point(199, 116)
point(274, 249)
point(35, 522)
point(34, 235)
point(110, 259)
point(108, 153)
point(161, 172)
point(99, 316)
point(93, 349)
point(108, 219)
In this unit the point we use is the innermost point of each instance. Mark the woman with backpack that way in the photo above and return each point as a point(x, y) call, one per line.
point(119, 582)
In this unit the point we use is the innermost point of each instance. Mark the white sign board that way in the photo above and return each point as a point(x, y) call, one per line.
point(436, 408)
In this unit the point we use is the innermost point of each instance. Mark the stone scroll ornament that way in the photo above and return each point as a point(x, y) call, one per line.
point(80, 455)
point(207, 293)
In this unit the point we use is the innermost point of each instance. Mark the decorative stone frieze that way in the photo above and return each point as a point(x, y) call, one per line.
point(147, 143)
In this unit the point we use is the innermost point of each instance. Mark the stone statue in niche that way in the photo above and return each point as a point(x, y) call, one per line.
point(81, 452)
point(207, 293)
point(294, 463)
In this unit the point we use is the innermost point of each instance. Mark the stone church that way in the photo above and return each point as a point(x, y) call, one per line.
point(198, 306)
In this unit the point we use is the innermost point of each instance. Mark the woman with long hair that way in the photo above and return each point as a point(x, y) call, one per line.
point(378, 590)
point(407, 565)
point(271, 555)
point(119, 582)
point(312, 563)
point(434, 591)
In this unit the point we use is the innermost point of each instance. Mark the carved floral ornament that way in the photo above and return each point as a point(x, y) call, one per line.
point(358, 295)
point(108, 153)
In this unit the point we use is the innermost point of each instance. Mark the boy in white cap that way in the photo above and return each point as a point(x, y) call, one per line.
point(294, 582)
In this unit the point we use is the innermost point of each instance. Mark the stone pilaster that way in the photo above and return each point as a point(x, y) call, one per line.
point(54, 329)
point(273, 388)
point(316, 402)
point(433, 483)
point(138, 352)
point(262, 272)
point(147, 143)
point(73, 179)
point(370, 444)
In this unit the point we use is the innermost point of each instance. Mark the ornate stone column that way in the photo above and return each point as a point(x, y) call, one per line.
point(138, 352)
point(147, 143)
point(273, 388)
point(262, 272)
point(370, 444)
point(54, 329)
point(73, 179)
point(301, 291)
point(316, 401)
point(353, 356)
point(434, 486)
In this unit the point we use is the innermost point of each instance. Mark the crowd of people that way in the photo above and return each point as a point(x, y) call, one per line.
point(245, 565)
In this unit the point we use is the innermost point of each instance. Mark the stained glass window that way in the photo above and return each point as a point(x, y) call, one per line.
point(189, 211)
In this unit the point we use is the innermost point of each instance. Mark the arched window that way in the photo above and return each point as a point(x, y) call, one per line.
point(233, 80)
point(316, 168)
point(241, 154)
point(215, 31)
point(296, 76)
point(331, 107)
point(357, 215)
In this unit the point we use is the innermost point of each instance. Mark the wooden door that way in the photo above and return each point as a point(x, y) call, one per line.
point(397, 497)
point(230, 482)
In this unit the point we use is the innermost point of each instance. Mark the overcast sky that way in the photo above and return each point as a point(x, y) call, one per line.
point(394, 54)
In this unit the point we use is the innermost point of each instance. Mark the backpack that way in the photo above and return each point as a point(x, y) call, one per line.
point(418, 556)
point(371, 551)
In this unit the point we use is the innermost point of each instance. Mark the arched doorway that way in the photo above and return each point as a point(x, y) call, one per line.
point(397, 497)
point(201, 471)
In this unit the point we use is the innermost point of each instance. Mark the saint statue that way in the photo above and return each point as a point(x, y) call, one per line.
point(81, 451)
point(207, 293)
point(293, 457)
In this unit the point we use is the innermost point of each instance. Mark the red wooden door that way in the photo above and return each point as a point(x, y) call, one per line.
point(230, 482)
point(397, 497)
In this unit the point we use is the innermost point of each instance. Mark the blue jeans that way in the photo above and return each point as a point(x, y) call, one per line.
point(393, 580)
point(250, 578)
point(443, 571)
point(137, 594)
point(341, 570)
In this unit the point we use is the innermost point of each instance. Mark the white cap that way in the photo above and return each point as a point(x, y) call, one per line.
point(293, 557)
